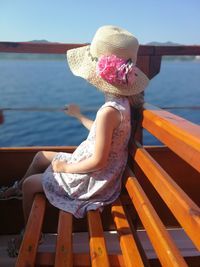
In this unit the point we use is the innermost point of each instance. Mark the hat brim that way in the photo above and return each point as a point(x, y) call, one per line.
point(82, 65)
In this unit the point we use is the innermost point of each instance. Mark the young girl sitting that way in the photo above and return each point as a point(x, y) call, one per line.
point(90, 177)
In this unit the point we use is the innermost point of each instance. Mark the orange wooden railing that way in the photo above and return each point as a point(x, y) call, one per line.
point(182, 137)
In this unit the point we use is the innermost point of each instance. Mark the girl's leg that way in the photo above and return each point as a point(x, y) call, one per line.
point(38, 165)
point(31, 186)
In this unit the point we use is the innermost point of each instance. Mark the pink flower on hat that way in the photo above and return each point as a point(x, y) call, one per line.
point(116, 70)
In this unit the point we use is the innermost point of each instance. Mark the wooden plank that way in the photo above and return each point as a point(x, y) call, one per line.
point(1, 117)
point(60, 48)
point(150, 65)
point(154, 66)
point(136, 124)
point(180, 135)
point(98, 252)
point(184, 209)
point(130, 251)
point(143, 63)
point(164, 246)
point(28, 249)
point(179, 170)
point(68, 149)
point(64, 241)
point(44, 48)
point(55, 48)
point(133, 220)
point(177, 50)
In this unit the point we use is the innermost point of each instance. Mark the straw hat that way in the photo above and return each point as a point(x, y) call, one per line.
point(110, 44)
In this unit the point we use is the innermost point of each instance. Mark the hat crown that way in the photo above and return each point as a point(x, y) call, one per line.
point(111, 40)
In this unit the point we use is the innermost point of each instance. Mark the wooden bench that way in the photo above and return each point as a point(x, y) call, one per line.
point(181, 137)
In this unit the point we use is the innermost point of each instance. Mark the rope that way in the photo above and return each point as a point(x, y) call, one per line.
point(183, 107)
point(51, 109)
point(34, 109)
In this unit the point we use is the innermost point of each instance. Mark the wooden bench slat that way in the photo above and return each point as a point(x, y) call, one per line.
point(165, 248)
point(44, 48)
point(131, 254)
point(180, 135)
point(28, 249)
point(64, 240)
point(98, 252)
point(184, 209)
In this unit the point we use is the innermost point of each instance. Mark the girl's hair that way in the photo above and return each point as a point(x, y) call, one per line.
point(136, 101)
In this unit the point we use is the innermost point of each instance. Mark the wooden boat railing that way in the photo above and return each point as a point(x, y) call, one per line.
point(161, 187)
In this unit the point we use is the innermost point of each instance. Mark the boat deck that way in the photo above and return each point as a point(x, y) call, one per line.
point(81, 245)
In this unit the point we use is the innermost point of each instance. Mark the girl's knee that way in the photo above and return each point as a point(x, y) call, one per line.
point(42, 160)
point(39, 162)
point(39, 156)
point(27, 184)
point(32, 184)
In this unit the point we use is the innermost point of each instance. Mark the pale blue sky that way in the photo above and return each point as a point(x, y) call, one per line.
point(76, 21)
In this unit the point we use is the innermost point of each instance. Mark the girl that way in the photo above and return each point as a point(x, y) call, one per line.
point(90, 178)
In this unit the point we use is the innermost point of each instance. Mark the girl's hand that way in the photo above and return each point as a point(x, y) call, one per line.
point(59, 166)
point(73, 110)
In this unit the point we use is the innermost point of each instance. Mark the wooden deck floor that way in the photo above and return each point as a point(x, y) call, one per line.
point(81, 245)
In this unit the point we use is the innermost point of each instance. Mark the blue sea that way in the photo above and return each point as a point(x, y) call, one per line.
point(49, 83)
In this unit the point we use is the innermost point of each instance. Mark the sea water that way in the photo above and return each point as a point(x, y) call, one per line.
point(49, 83)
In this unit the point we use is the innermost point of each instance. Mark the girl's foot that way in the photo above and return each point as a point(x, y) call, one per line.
point(15, 243)
point(13, 247)
point(14, 191)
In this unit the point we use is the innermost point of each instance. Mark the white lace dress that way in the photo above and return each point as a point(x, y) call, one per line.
point(78, 193)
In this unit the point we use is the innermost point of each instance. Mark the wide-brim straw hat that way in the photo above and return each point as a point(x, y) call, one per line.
point(108, 40)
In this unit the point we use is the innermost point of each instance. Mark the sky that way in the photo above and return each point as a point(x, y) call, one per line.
point(76, 21)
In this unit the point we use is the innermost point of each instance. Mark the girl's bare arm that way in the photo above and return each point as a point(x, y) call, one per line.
point(107, 120)
point(74, 111)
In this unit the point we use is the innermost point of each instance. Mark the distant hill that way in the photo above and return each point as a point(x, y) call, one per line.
point(39, 41)
point(163, 44)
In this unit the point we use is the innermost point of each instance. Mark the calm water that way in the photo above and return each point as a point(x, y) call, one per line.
point(43, 83)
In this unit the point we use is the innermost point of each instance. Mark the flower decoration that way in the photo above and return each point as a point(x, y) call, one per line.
point(116, 70)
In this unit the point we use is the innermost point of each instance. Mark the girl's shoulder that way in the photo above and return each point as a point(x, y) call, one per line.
point(119, 103)
point(120, 108)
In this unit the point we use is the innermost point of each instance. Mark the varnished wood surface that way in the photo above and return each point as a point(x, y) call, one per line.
point(180, 135)
point(28, 249)
point(183, 208)
point(61, 48)
point(98, 250)
point(42, 48)
point(130, 250)
point(163, 244)
point(64, 252)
